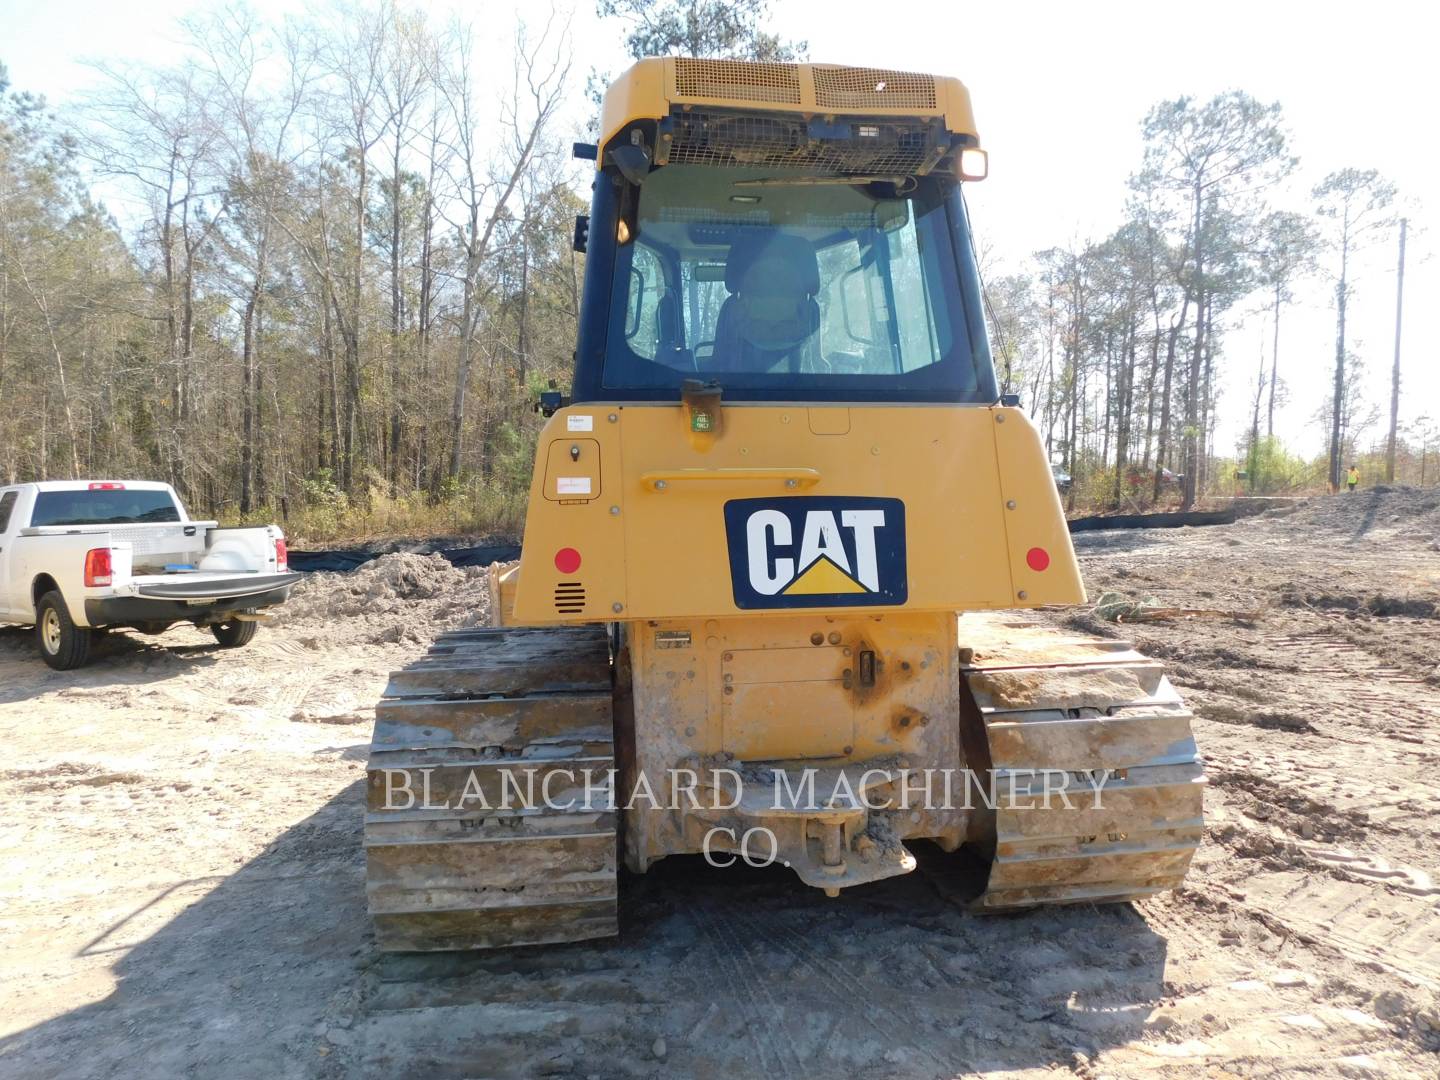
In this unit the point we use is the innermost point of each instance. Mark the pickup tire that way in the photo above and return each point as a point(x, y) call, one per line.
point(63, 645)
point(231, 635)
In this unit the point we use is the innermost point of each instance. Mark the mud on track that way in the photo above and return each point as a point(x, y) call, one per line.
point(183, 885)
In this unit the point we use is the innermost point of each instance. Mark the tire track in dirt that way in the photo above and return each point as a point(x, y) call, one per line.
point(1297, 1009)
point(1362, 907)
point(746, 984)
point(847, 987)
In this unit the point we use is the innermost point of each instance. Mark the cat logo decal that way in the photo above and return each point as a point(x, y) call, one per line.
point(807, 551)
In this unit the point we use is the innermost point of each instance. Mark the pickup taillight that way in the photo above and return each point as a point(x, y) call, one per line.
point(98, 570)
point(282, 555)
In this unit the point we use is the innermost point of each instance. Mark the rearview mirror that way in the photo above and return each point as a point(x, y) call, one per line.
point(632, 161)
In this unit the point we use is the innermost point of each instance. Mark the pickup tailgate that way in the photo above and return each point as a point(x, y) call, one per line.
point(202, 587)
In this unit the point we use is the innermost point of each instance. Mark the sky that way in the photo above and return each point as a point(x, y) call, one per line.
point(1059, 91)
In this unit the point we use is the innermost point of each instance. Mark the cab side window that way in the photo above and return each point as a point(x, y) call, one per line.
point(647, 284)
point(851, 321)
point(912, 262)
point(7, 506)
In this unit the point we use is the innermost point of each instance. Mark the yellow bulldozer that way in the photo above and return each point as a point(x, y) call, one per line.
point(778, 541)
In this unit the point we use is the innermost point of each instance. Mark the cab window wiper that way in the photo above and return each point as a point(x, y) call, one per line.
point(778, 181)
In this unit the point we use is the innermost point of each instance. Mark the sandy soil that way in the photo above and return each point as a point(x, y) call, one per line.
point(182, 887)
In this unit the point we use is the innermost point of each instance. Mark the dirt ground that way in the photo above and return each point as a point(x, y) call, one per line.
point(182, 886)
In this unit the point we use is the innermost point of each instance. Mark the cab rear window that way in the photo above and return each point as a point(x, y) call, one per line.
point(125, 507)
point(779, 285)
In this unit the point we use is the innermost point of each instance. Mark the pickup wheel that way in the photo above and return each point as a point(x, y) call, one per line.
point(231, 635)
point(63, 645)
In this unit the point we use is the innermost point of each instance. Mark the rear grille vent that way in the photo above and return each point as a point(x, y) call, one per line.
point(872, 88)
point(570, 598)
point(860, 147)
point(738, 81)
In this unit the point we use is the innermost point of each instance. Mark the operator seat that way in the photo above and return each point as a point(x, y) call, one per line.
point(770, 322)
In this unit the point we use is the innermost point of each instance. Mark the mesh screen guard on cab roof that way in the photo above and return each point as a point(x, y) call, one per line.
point(845, 147)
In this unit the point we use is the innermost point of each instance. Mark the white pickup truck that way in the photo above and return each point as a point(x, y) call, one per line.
point(79, 556)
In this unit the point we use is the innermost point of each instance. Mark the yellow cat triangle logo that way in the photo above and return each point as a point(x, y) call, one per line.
point(823, 577)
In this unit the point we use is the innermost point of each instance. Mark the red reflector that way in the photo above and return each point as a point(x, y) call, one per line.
point(567, 560)
point(107, 487)
point(282, 555)
point(1037, 558)
point(97, 567)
